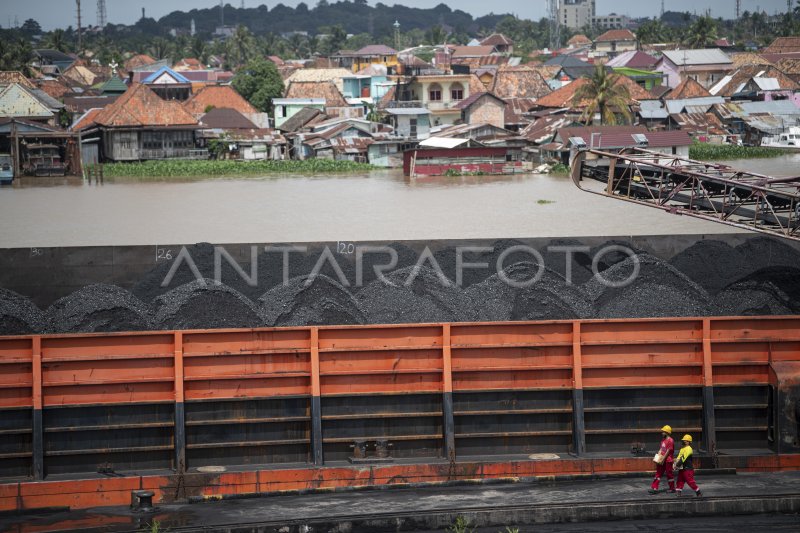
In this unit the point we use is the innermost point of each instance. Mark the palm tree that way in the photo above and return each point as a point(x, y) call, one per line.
point(702, 33)
point(57, 40)
point(199, 50)
point(160, 48)
point(241, 46)
point(604, 93)
point(652, 31)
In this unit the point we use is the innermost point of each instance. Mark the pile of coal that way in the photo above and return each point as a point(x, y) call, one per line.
point(19, 315)
point(765, 252)
point(405, 257)
point(204, 304)
point(447, 260)
point(659, 290)
point(414, 295)
point(769, 291)
point(312, 301)
point(98, 308)
point(549, 298)
point(712, 264)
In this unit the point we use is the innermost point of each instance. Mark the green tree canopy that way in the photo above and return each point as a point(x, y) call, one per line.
point(259, 82)
point(702, 33)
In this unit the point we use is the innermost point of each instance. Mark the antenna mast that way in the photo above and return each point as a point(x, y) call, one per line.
point(555, 26)
point(101, 13)
point(80, 27)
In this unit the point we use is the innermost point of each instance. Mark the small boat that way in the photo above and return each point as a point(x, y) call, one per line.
point(788, 139)
point(6, 169)
point(44, 160)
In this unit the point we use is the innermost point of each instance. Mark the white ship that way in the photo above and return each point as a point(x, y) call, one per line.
point(788, 139)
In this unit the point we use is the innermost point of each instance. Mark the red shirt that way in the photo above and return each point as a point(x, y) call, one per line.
point(668, 449)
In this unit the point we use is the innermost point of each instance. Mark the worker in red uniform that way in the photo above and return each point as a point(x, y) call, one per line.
point(685, 466)
point(664, 460)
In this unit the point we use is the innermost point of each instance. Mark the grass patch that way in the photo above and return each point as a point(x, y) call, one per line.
point(560, 169)
point(177, 168)
point(545, 202)
point(712, 152)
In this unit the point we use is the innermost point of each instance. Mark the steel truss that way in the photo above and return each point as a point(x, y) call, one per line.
point(709, 191)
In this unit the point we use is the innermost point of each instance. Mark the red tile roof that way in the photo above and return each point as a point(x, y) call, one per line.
point(784, 45)
point(88, 119)
point(226, 119)
point(219, 97)
point(140, 106)
point(463, 104)
point(7, 77)
point(563, 97)
point(137, 61)
point(519, 82)
point(312, 89)
point(688, 88)
point(616, 35)
point(497, 39)
point(621, 136)
point(579, 40)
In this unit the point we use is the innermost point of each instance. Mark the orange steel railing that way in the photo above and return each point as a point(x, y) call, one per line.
point(53, 370)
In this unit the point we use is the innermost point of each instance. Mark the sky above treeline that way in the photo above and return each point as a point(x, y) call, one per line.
point(61, 13)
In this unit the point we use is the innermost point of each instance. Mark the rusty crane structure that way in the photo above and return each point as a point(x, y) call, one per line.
point(709, 191)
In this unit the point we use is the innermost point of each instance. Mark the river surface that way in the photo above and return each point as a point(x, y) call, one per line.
point(381, 205)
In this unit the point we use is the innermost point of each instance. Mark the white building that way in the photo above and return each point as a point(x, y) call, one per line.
point(575, 14)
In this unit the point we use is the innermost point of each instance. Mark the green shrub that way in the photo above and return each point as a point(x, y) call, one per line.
point(180, 168)
point(712, 152)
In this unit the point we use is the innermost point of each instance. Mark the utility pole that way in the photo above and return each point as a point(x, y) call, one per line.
point(738, 9)
point(222, 13)
point(101, 13)
point(662, 9)
point(80, 28)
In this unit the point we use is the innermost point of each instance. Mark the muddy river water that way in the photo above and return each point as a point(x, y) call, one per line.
point(381, 205)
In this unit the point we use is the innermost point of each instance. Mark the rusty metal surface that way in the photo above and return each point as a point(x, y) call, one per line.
point(708, 191)
point(437, 392)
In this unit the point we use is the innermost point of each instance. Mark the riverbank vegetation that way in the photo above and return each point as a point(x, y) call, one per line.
point(178, 168)
point(714, 152)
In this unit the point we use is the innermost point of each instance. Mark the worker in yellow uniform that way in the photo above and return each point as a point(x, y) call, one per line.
point(685, 466)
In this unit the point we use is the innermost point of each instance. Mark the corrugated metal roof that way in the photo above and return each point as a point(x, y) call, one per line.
point(678, 106)
point(706, 56)
point(652, 109)
point(767, 84)
point(17, 101)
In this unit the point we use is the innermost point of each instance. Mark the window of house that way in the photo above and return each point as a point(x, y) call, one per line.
point(435, 93)
point(456, 92)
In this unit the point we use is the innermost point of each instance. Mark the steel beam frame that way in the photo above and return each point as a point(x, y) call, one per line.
point(709, 191)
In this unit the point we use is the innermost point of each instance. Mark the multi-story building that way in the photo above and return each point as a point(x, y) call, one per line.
point(576, 14)
point(611, 22)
